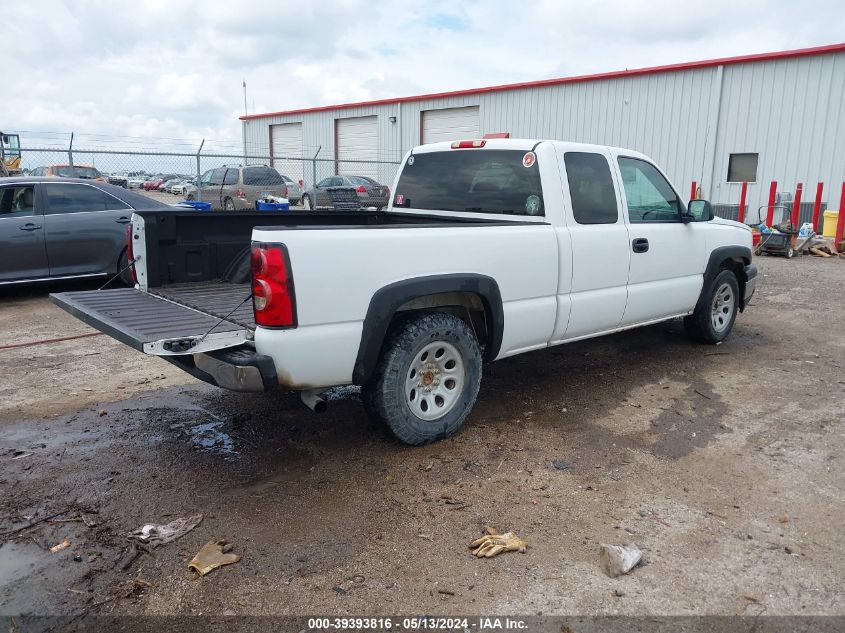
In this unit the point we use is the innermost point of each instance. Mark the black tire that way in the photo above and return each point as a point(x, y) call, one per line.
point(700, 324)
point(306, 203)
point(125, 273)
point(789, 253)
point(384, 394)
point(191, 196)
point(228, 204)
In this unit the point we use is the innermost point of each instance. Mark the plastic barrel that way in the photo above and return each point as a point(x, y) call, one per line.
point(829, 224)
point(196, 205)
point(272, 206)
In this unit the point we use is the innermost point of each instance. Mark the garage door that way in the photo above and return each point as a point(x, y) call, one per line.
point(357, 140)
point(450, 124)
point(287, 145)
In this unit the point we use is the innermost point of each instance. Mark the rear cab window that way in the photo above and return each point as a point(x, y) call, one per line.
point(472, 181)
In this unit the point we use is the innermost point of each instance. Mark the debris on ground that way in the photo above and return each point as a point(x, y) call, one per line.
point(616, 560)
point(561, 464)
point(493, 543)
point(156, 535)
point(212, 555)
point(58, 547)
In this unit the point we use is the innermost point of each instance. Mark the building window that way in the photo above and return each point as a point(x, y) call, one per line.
point(742, 168)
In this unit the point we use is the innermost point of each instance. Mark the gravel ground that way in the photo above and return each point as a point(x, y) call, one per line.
point(723, 464)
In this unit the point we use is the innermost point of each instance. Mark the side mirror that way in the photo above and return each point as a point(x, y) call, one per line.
point(699, 211)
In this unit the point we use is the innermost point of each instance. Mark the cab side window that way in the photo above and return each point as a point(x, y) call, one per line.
point(591, 188)
point(16, 202)
point(232, 176)
point(649, 196)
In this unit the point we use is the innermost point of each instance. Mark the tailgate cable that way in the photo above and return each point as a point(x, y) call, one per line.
point(202, 338)
point(120, 272)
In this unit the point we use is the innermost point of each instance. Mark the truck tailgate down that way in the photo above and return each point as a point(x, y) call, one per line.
point(160, 326)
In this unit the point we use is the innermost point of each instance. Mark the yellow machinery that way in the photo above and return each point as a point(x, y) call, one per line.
point(10, 154)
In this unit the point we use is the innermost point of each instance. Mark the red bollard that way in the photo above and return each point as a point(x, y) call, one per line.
point(796, 211)
point(692, 190)
point(817, 206)
point(770, 212)
point(742, 195)
point(840, 222)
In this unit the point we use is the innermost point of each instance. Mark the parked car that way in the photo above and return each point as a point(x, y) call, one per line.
point(153, 184)
point(370, 193)
point(136, 182)
point(167, 185)
point(237, 188)
point(179, 187)
point(481, 255)
point(54, 227)
point(69, 171)
point(118, 181)
point(294, 190)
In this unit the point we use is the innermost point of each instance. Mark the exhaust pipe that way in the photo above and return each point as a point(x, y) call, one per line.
point(313, 400)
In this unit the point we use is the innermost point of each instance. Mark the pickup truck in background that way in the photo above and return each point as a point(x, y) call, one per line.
point(489, 248)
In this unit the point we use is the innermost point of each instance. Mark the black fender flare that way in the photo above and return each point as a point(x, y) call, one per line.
point(739, 254)
point(387, 300)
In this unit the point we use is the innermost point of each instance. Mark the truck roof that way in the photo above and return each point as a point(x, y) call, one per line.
point(524, 144)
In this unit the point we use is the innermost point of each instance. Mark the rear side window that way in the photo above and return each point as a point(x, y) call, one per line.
point(591, 188)
point(262, 176)
point(67, 198)
point(476, 181)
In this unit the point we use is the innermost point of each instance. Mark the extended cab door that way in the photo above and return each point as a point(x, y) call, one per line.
point(667, 255)
point(22, 254)
point(600, 252)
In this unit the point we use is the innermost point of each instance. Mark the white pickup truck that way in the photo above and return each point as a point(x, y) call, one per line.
point(489, 248)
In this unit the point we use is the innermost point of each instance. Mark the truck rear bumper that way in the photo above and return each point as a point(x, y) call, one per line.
point(236, 368)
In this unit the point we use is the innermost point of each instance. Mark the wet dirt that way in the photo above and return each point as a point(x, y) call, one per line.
point(721, 463)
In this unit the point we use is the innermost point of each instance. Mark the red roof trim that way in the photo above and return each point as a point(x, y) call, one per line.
point(758, 57)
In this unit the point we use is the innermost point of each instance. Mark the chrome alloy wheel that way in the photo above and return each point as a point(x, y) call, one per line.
point(724, 304)
point(435, 381)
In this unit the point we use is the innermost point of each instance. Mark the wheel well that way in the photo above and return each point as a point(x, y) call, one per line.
point(467, 306)
point(737, 267)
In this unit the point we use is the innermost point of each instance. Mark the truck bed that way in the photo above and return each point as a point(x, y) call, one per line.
point(220, 299)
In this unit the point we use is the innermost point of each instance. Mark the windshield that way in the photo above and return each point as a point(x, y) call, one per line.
point(66, 171)
point(476, 181)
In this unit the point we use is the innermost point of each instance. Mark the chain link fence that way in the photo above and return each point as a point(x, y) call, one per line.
point(143, 169)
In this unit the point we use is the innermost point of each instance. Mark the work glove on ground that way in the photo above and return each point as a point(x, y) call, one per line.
point(493, 543)
point(212, 555)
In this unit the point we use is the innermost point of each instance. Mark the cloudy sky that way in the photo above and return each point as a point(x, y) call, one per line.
point(172, 69)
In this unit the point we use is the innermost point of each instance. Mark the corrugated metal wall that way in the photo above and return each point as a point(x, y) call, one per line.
point(790, 111)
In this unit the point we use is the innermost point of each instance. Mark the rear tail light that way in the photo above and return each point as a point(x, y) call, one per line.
point(130, 255)
point(240, 193)
point(361, 189)
point(468, 144)
point(273, 296)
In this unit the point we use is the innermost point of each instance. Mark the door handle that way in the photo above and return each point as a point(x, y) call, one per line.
point(123, 220)
point(29, 226)
point(640, 245)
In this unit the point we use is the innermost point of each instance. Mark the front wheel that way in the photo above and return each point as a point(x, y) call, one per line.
point(713, 320)
point(306, 202)
point(427, 379)
point(229, 204)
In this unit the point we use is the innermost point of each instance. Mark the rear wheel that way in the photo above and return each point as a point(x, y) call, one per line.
point(124, 269)
point(713, 320)
point(229, 204)
point(427, 379)
point(306, 202)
